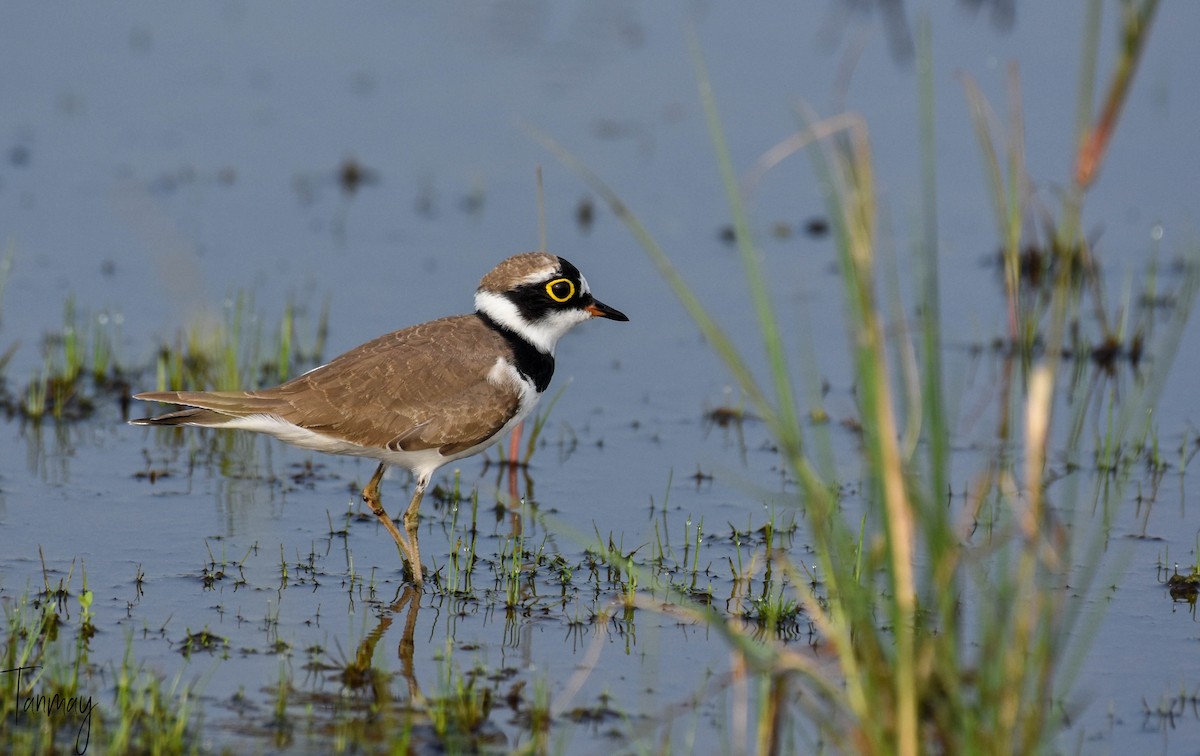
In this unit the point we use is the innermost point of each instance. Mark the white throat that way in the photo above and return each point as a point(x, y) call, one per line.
point(543, 334)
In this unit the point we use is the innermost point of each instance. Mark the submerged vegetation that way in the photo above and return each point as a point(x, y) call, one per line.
point(898, 603)
point(82, 365)
point(348, 699)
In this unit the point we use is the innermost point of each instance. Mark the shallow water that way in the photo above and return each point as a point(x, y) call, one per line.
point(159, 162)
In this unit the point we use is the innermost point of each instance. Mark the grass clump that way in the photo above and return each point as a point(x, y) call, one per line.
point(79, 365)
point(231, 353)
point(49, 691)
point(947, 636)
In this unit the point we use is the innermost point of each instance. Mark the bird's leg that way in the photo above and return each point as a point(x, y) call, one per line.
point(514, 461)
point(407, 546)
point(514, 446)
point(370, 495)
point(411, 522)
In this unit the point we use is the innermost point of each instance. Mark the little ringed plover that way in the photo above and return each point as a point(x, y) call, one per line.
point(423, 396)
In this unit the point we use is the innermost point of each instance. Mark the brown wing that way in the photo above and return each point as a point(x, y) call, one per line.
point(471, 418)
point(422, 387)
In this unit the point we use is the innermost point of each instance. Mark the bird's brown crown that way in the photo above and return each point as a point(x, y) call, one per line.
point(518, 270)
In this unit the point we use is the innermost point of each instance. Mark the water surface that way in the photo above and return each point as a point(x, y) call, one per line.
point(158, 162)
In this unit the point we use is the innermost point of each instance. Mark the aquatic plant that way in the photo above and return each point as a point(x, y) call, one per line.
point(79, 365)
point(231, 352)
point(47, 699)
point(947, 637)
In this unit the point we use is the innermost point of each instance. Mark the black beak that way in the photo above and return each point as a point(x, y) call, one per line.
point(601, 310)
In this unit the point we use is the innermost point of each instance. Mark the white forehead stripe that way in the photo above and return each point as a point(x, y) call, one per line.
point(538, 275)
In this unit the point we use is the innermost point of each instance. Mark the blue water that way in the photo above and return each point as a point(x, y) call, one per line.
point(158, 160)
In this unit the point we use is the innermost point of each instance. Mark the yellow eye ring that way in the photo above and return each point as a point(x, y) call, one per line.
point(555, 289)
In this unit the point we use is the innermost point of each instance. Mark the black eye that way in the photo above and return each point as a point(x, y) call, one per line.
point(560, 289)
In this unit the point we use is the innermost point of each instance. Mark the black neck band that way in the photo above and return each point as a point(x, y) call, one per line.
point(531, 362)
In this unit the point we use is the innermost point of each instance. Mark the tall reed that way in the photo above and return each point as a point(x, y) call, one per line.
point(947, 638)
